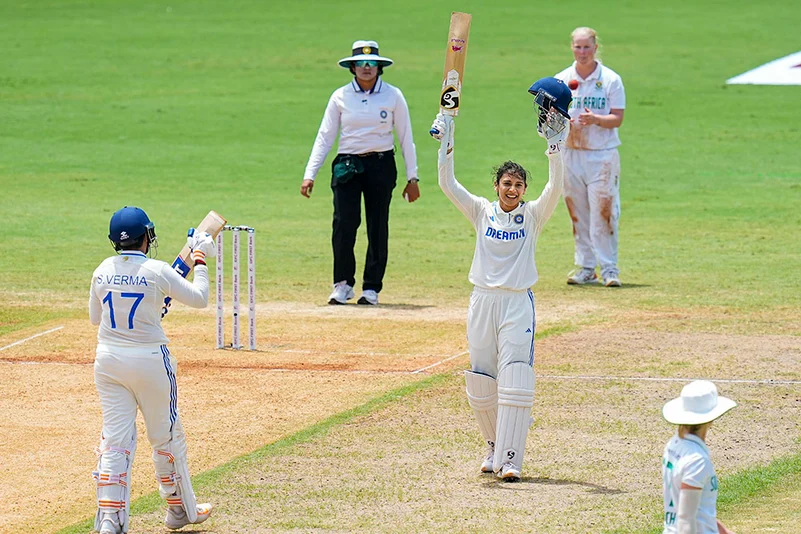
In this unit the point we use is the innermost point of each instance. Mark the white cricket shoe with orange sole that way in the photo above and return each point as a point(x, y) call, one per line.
point(176, 516)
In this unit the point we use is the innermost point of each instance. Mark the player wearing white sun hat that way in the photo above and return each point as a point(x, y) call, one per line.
point(361, 117)
point(690, 485)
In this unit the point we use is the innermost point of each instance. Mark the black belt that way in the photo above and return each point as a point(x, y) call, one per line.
point(376, 154)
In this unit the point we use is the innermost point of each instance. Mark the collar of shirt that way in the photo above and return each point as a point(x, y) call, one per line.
point(596, 74)
point(695, 439)
point(498, 210)
point(133, 253)
point(376, 88)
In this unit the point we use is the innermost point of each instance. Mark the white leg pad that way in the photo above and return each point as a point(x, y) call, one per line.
point(515, 398)
point(172, 473)
point(482, 394)
point(113, 478)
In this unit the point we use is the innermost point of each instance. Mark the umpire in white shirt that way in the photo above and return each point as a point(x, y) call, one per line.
point(364, 113)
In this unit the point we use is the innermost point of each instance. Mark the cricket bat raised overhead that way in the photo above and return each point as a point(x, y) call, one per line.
point(455, 54)
point(212, 224)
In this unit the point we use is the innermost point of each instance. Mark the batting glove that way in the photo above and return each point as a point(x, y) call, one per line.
point(202, 245)
point(556, 139)
point(445, 126)
point(437, 128)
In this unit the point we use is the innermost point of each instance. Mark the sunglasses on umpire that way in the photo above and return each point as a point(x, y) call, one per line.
point(365, 63)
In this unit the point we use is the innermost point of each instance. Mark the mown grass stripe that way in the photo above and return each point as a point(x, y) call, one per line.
point(153, 501)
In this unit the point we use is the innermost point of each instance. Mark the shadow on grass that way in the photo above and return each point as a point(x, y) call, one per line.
point(402, 306)
point(531, 483)
point(601, 287)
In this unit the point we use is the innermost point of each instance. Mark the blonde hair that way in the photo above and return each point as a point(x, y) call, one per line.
point(586, 31)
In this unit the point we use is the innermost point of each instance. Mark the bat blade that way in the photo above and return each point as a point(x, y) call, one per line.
point(450, 98)
point(212, 224)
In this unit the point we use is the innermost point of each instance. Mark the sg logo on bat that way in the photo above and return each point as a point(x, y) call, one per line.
point(450, 98)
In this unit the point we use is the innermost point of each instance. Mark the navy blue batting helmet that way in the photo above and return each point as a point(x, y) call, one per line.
point(128, 225)
point(552, 93)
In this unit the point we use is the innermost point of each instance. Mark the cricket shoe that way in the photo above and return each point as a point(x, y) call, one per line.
point(342, 293)
point(369, 297)
point(582, 276)
point(176, 516)
point(610, 278)
point(110, 524)
point(486, 465)
point(509, 473)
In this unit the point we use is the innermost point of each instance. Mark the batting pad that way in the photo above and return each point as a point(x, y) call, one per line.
point(172, 473)
point(482, 394)
point(515, 398)
point(113, 478)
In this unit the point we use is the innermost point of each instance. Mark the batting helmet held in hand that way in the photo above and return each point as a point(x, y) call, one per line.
point(552, 93)
point(128, 225)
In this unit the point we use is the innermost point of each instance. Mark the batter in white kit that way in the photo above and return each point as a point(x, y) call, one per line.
point(501, 318)
point(134, 369)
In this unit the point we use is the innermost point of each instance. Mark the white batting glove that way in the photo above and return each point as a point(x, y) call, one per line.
point(202, 245)
point(438, 127)
point(445, 127)
point(556, 140)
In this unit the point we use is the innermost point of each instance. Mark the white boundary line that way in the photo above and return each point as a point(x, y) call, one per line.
point(765, 381)
point(21, 341)
point(449, 358)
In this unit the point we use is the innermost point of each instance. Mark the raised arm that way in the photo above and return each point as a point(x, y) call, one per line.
point(544, 206)
point(467, 203)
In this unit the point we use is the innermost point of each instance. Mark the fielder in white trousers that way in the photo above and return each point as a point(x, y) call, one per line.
point(501, 318)
point(592, 196)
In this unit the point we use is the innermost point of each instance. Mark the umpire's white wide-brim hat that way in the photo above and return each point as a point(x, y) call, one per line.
point(699, 403)
point(365, 50)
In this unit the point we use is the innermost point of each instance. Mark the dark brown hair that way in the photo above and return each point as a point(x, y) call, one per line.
point(511, 168)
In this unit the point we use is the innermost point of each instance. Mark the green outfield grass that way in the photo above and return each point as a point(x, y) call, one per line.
point(181, 107)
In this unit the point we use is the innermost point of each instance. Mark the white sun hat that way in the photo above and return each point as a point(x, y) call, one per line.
point(365, 50)
point(699, 403)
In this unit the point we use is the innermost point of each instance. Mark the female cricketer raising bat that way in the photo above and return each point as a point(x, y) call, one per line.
point(501, 317)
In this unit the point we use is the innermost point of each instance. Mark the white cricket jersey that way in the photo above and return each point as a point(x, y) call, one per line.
point(600, 92)
point(364, 121)
point(127, 294)
point(505, 242)
point(687, 460)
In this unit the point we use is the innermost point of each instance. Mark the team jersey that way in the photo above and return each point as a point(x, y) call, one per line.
point(127, 294)
point(505, 242)
point(687, 461)
point(364, 121)
point(600, 92)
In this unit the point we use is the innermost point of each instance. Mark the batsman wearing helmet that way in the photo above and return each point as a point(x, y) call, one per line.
point(134, 369)
point(501, 317)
